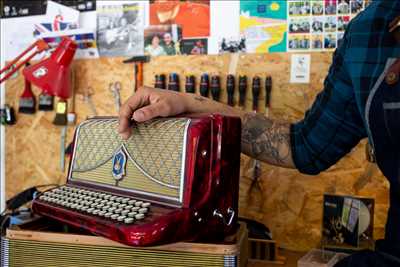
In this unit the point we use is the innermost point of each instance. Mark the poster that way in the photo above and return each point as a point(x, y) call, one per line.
point(300, 68)
point(120, 28)
point(162, 40)
point(264, 26)
point(58, 18)
point(192, 15)
point(319, 25)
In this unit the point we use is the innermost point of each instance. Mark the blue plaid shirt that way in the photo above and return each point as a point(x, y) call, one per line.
point(336, 122)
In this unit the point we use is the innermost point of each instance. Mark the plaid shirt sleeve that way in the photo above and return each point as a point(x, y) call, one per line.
point(333, 125)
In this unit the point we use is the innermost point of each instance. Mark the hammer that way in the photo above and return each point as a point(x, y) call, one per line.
point(138, 61)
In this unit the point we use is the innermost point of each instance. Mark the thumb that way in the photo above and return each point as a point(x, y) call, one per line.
point(158, 109)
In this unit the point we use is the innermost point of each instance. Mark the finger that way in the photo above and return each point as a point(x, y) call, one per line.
point(158, 109)
point(126, 111)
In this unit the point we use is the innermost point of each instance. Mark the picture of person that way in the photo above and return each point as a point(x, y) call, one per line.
point(194, 46)
point(299, 26)
point(356, 6)
point(168, 44)
point(318, 24)
point(155, 49)
point(317, 42)
point(342, 23)
point(317, 8)
point(330, 7)
point(299, 42)
point(330, 24)
point(299, 8)
point(119, 30)
point(330, 41)
point(344, 7)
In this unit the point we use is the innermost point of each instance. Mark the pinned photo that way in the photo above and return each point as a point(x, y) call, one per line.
point(330, 24)
point(162, 40)
point(299, 25)
point(196, 46)
point(356, 6)
point(299, 42)
point(317, 8)
point(317, 24)
point(119, 30)
point(342, 23)
point(343, 7)
point(299, 8)
point(330, 7)
point(330, 41)
point(317, 42)
point(232, 45)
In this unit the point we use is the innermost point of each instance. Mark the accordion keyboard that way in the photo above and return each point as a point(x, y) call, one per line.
point(106, 205)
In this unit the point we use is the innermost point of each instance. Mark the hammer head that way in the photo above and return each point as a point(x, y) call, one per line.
point(137, 59)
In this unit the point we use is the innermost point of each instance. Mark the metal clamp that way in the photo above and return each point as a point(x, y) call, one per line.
point(231, 214)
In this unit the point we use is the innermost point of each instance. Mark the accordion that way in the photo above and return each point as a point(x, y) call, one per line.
point(174, 179)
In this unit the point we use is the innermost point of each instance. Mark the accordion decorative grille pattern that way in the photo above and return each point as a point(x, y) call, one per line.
point(154, 150)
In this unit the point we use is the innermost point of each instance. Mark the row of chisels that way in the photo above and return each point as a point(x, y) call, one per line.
point(212, 86)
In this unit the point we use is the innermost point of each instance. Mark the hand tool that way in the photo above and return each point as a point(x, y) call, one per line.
point(190, 85)
point(215, 88)
point(230, 89)
point(204, 85)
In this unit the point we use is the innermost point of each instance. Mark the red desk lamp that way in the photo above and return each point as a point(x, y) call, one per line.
point(53, 76)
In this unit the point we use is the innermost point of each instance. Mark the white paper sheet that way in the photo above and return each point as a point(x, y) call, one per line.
point(300, 68)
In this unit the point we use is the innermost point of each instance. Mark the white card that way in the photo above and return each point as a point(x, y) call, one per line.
point(300, 68)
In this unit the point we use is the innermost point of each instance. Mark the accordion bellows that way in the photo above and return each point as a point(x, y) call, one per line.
point(173, 179)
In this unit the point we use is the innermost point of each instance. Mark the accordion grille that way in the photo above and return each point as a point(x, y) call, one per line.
point(154, 155)
point(19, 253)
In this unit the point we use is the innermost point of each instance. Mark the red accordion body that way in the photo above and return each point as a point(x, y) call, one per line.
point(175, 179)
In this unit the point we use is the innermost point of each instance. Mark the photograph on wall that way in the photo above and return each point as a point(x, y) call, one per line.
point(330, 7)
point(194, 46)
point(162, 40)
point(330, 41)
point(317, 8)
point(120, 29)
point(299, 25)
point(299, 8)
point(342, 23)
point(317, 24)
point(264, 25)
point(299, 41)
point(356, 6)
point(192, 15)
point(330, 24)
point(343, 7)
point(317, 41)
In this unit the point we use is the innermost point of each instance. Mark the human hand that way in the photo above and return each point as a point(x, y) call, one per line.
point(148, 103)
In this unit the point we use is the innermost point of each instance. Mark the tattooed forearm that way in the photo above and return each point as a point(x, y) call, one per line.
point(266, 140)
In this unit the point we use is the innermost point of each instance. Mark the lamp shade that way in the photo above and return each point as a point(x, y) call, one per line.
point(52, 75)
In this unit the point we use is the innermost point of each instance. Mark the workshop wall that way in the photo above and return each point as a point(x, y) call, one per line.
point(289, 203)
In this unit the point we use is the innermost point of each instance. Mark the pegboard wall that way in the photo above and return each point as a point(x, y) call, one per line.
point(289, 203)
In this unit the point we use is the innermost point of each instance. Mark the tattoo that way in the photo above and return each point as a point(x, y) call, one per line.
point(266, 140)
point(199, 98)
